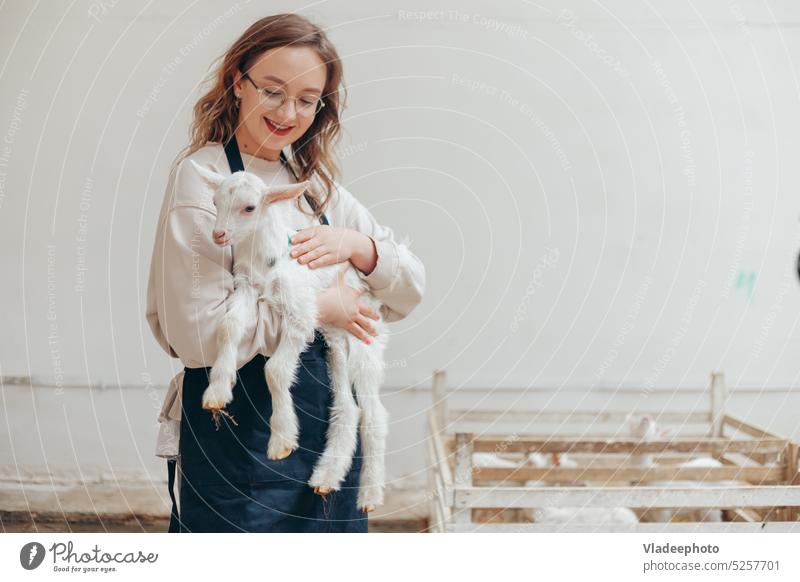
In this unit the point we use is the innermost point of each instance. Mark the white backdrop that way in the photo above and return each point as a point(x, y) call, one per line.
point(604, 194)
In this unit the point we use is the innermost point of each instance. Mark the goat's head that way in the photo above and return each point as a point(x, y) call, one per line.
point(242, 201)
point(539, 460)
point(645, 428)
point(542, 461)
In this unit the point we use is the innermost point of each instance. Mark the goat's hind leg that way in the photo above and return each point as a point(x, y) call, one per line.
point(367, 372)
point(242, 305)
point(342, 433)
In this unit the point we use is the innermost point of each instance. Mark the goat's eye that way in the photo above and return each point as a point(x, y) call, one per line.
point(249, 208)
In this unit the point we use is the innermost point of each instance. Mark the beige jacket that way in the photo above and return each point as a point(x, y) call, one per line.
point(191, 277)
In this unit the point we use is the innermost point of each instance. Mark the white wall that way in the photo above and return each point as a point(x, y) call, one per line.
point(603, 195)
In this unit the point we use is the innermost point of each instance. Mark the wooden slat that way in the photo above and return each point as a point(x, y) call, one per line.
point(752, 514)
point(441, 487)
point(651, 497)
point(439, 517)
point(442, 477)
point(741, 460)
point(434, 521)
point(792, 464)
point(747, 428)
point(740, 425)
point(598, 460)
point(744, 515)
point(535, 417)
point(763, 458)
point(664, 473)
point(462, 476)
point(792, 475)
point(622, 460)
point(441, 496)
point(719, 397)
point(685, 527)
point(714, 446)
point(440, 397)
point(443, 500)
point(440, 451)
point(771, 459)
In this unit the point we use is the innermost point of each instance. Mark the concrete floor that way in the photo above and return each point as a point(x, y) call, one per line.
point(12, 523)
point(35, 500)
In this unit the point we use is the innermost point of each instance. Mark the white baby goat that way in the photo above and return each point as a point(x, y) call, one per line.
point(256, 218)
point(645, 428)
point(572, 515)
point(549, 515)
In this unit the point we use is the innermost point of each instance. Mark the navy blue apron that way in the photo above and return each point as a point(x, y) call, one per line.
point(227, 482)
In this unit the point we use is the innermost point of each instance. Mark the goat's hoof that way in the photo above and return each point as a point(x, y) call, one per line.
point(216, 397)
point(280, 454)
point(322, 490)
point(283, 454)
point(368, 508)
point(280, 447)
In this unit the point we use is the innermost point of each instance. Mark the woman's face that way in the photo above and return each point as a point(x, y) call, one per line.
point(301, 74)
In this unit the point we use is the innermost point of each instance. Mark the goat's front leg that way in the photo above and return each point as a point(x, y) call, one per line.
point(241, 306)
point(343, 425)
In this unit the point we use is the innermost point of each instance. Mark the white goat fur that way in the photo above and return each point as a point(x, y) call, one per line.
point(645, 428)
point(554, 515)
point(572, 515)
point(263, 270)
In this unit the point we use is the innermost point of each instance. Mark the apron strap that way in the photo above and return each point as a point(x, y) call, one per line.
point(174, 520)
point(237, 165)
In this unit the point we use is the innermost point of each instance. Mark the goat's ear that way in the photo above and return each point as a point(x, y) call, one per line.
point(284, 192)
point(664, 434)
point(633, 420)
point(209, 177)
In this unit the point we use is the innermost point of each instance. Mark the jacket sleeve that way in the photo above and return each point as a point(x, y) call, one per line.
point(398, 278)
point(191, 282)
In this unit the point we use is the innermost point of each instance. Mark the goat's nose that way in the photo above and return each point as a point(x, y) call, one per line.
point(219, 234)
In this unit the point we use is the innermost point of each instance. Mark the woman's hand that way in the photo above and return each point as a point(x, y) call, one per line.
point(320, 245)
point(339, 306)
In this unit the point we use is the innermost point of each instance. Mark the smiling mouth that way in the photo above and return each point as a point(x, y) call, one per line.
point(278, 129)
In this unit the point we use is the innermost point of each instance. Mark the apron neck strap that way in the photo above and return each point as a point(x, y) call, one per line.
point(234, 156)
point(237, 165)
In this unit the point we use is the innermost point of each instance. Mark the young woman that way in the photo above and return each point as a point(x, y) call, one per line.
point(273, 108)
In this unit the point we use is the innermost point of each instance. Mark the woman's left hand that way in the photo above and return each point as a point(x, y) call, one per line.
point(322, 244)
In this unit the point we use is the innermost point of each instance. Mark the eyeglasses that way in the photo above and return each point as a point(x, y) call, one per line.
point(275, 97)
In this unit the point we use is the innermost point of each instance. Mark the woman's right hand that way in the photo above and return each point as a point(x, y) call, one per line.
point(339, 306)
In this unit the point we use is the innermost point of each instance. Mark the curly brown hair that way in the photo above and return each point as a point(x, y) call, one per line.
point(216, 114)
